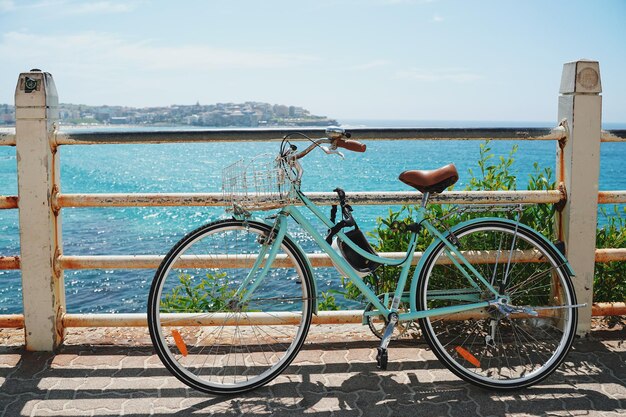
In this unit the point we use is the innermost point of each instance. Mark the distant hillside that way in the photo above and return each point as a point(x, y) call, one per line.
point(248, 114)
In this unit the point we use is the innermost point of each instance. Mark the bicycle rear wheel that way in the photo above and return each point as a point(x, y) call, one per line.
point(511, 345)
point(204, 333)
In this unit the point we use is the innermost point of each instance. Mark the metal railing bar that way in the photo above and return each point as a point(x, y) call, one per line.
point(71, 320)
point(9, 262)
point(612, 197)
point(140, 319)
point(318, 260)
point(610, 255)
point(618, 135)
point(322, 198)
point(263, 135)
point(77, 262)
point(7, 139)
point(260, 135)
point(11, 321)
point(8, 202)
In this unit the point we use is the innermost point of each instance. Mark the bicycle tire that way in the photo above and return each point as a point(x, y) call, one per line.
point(216, 345)
point(488, 347)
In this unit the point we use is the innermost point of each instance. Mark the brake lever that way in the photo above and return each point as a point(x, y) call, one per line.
point(329, 151)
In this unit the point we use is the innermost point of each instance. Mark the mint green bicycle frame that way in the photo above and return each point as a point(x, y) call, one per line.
point(269, 251)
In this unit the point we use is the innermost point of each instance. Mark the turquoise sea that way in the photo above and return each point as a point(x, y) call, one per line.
point(197, 168)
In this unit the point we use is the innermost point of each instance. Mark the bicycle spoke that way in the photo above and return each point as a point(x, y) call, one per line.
point(231, 346)
point(514, 347)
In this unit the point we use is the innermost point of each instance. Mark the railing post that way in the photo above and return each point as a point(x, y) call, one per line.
point(43, 292)
point(578, 170)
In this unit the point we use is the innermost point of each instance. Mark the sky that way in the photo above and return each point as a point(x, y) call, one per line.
point(368, 59)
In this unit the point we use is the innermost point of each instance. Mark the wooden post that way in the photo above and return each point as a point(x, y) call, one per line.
point(578, 170)
point(36, 115)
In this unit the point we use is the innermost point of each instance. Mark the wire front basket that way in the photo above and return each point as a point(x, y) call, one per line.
point(257, 184)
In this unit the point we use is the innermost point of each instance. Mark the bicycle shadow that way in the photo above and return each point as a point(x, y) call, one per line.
point(411, 388)
point(592, 380)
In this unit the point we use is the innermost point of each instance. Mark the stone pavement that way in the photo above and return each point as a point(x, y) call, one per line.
point(114, 372)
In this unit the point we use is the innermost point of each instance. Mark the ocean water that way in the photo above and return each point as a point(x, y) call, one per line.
point(197, 168)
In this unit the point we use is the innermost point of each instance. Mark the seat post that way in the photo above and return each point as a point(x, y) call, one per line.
point(425, 199)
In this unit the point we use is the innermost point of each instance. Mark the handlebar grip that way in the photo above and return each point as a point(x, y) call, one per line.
point(351, 145)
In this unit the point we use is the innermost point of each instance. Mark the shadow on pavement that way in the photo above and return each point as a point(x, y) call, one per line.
point(111, 380)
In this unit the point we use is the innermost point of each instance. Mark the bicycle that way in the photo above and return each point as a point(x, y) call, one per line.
point(232, 302)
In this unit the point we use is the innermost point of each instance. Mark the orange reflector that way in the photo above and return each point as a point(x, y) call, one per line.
point(468, 356)
point(179, 342)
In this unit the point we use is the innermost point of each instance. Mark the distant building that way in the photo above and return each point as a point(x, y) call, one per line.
point(118, 120)
point(248, 114)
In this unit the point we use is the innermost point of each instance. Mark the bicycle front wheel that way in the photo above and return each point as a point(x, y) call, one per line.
point(514, 343)
point(220, 328)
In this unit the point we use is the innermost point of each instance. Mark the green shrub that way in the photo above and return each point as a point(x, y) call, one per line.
point(497, 175)
point(210, 293)
point(328, 301)
point(610, 278)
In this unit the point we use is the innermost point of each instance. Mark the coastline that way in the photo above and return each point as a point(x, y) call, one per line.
point(346, 123)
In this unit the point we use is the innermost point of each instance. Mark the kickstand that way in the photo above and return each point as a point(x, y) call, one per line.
point(382, 358)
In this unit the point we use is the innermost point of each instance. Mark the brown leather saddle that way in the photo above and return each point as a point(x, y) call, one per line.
point(433, 181)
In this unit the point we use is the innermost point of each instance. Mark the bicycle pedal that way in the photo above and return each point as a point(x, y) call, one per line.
point(382, 359)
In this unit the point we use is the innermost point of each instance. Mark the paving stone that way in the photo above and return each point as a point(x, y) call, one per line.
point(328, 378)
point(362, 355)
point(373, 403)
point(285, 389)
point(422, 409)
point(9, 360)
point(15, 404)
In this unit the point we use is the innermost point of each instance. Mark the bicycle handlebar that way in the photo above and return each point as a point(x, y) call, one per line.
point(351, 145)
point(337, 138)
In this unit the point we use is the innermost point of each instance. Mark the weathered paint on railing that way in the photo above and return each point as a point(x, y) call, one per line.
point(610, 255)
point(8, 202)
point(613, 135)
point(38, 176)
point(609, 309)
point(16, 321)
point(11, 321)
point(9, 262)
point(321, 198)
point(578, 170)
point(611, 197)
point(7, 139)
point(318, 260)
point(264, 135)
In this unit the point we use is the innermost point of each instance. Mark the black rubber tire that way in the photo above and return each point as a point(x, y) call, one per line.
point(456, 366)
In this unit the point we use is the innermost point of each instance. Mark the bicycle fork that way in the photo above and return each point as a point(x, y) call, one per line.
point(262, 264)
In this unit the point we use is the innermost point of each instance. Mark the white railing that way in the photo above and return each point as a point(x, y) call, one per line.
point(40, 204)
